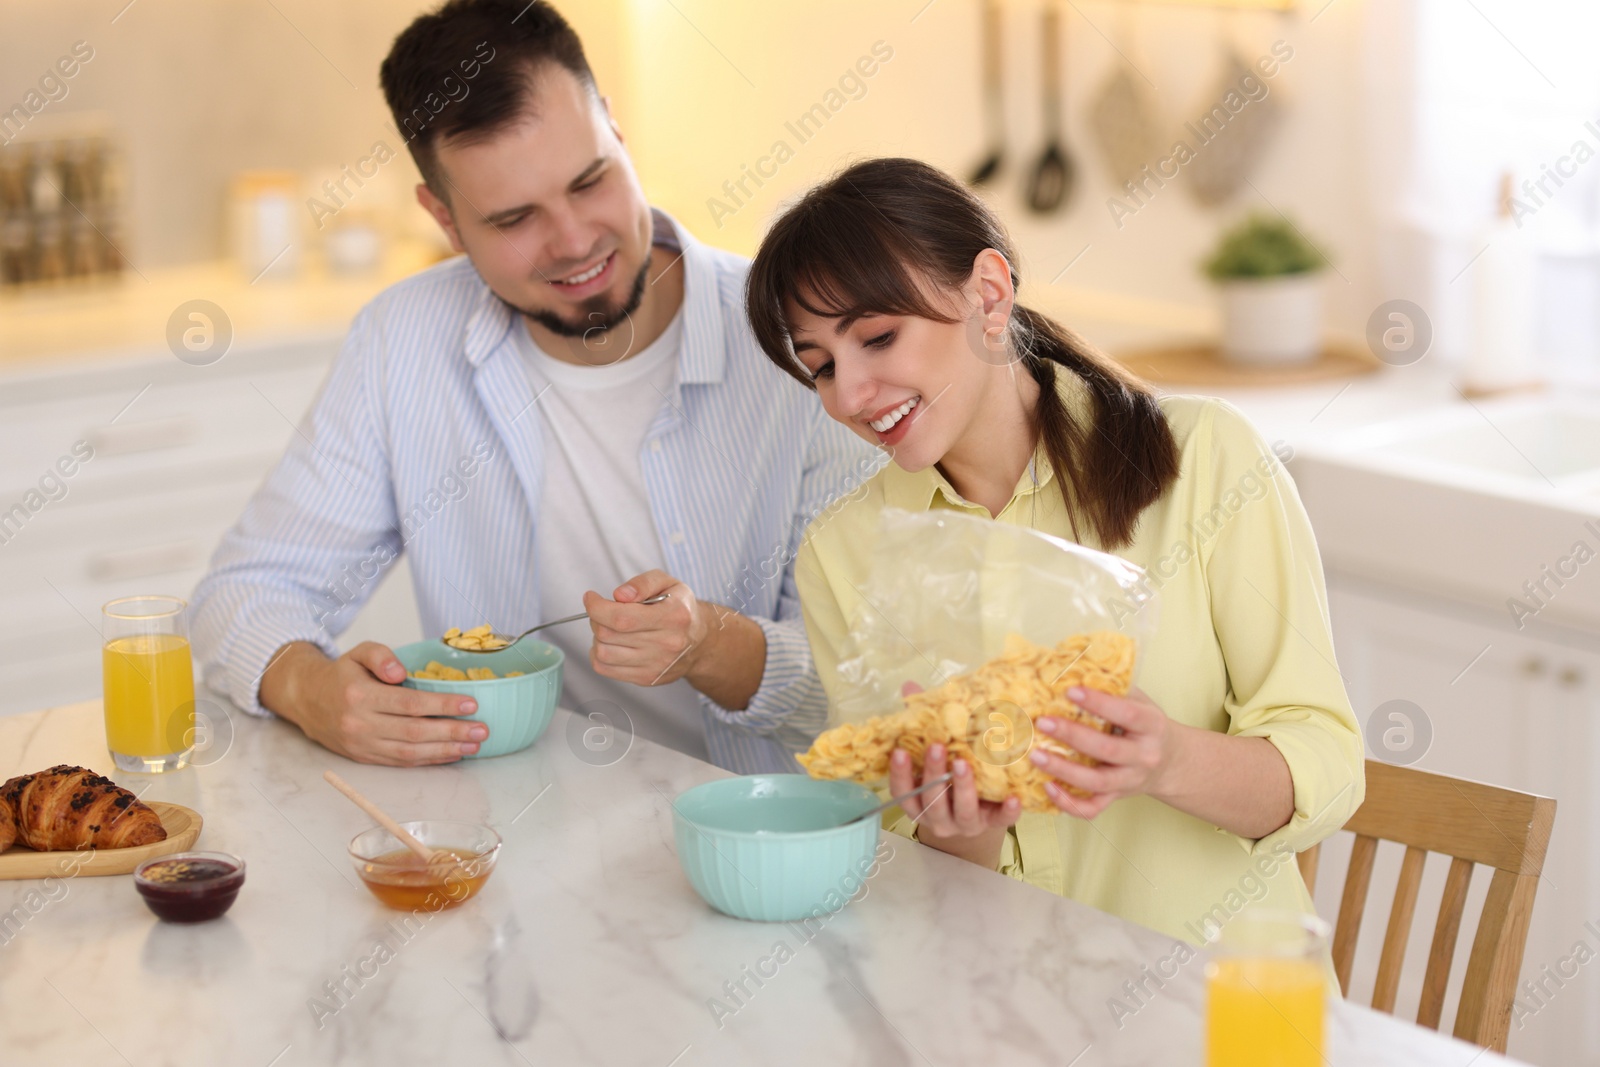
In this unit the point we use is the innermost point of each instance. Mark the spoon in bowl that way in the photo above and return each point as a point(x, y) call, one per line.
point(439, 862)
point(658, 598)
point(892, 801)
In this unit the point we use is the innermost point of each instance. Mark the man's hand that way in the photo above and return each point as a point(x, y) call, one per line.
point(646, 644)
point(355, 706)
point(720, 652)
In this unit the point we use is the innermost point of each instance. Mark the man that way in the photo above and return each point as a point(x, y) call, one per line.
point(577, 403)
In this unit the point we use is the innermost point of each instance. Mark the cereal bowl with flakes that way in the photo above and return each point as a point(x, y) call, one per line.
point(516, 688)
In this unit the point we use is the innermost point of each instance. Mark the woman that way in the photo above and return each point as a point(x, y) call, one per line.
point(891, 291)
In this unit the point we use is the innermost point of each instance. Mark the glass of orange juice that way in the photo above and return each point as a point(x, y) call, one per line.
point(149, 683)
point(1266, 991)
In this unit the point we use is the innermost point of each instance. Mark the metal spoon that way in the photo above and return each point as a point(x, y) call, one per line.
point(892, 801)
point(658, 598)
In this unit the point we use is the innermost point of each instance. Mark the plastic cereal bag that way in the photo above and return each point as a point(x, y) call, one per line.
point(992, 624)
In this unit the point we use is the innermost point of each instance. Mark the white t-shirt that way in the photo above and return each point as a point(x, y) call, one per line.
point(595, 528)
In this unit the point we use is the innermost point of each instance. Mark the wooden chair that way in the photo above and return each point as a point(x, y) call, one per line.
point(1472, 823)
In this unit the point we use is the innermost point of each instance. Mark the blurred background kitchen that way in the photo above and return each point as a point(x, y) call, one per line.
point(1381, 240)
point(1391, 127)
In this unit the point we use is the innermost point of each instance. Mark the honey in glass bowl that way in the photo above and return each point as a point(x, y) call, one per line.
point(400, 879)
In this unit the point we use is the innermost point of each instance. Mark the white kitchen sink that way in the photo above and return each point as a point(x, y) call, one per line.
point(1548, 442)
point(1472, 500)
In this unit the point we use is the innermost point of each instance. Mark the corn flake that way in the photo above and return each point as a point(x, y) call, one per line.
point(440, 672)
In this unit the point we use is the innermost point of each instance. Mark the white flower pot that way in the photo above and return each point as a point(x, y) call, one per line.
point(1272, 320)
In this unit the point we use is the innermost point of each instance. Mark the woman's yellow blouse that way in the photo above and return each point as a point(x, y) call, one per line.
point(1243, 646)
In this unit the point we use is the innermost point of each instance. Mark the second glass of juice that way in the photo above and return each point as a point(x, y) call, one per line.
point(1267, 991)
point(148, 677)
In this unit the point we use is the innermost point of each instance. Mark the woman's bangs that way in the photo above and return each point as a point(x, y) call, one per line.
point(852, 278)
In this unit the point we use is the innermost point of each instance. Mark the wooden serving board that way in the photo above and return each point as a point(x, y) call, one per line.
point(182, 824)
point(1201, 363)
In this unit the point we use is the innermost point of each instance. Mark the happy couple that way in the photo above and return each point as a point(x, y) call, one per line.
point(649, 415)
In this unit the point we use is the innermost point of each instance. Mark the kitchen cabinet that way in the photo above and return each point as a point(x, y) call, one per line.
point(173, 453)
point(1512, 708)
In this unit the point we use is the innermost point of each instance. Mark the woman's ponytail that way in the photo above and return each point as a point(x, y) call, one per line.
point(1112, 469)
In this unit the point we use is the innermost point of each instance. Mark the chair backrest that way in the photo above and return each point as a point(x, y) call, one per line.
point(1472, 823)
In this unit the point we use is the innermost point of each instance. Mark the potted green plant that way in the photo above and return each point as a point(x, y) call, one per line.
point(1270, 277)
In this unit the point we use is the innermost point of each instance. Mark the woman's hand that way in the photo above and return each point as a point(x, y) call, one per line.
point(1240, 784)
point(1136, 757)
point(952, 819)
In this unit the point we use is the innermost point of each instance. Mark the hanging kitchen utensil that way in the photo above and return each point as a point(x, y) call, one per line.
point(1231, 132)
point(1052, 179)
point(1124, 114)
point(994, 117)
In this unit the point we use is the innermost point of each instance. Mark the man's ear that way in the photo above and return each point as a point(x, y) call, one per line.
point(991, 282)
point(441, 214)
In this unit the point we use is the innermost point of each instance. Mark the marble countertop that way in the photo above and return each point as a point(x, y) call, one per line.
point(587, 945)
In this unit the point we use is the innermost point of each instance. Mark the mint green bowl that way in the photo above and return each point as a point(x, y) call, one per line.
point(516, 710)
point(767, 847)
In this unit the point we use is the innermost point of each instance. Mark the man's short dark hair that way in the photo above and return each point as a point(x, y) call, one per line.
point(466, 71)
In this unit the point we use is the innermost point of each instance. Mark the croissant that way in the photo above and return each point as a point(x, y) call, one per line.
point(70, 808)
point(8, 824)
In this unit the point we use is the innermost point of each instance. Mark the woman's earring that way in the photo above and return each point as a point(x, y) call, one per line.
point(992, 345)
point(996, 339)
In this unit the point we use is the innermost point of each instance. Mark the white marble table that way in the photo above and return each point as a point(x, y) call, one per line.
point(587, 946)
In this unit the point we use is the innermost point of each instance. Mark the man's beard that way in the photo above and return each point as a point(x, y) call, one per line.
point(597, 315)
